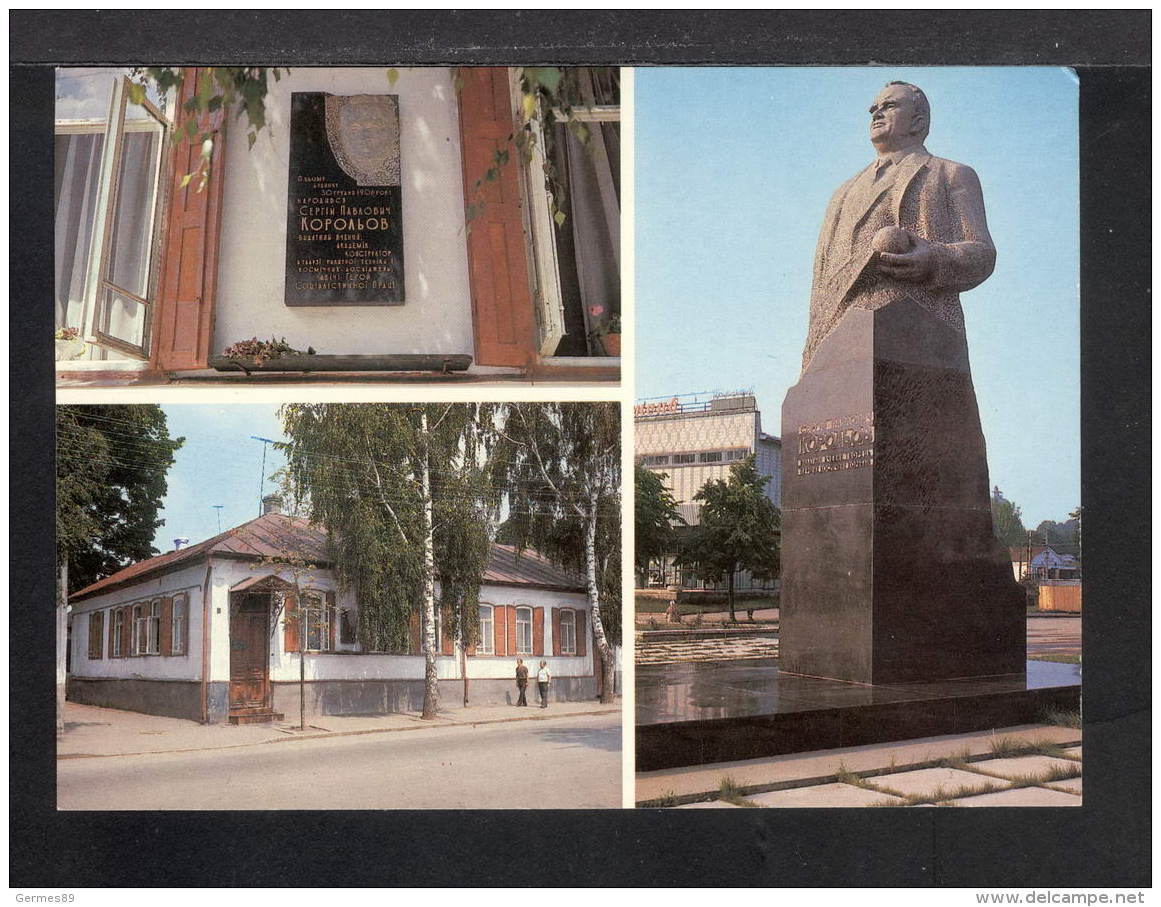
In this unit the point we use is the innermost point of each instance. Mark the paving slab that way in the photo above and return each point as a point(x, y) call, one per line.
point(1021, 796)
point(1022, 766)
point(1072, 785)
point(824, 795)
point(713, 804)
point(822, 765)
point(927, 781)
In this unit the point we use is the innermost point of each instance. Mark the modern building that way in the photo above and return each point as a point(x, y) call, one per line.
point(215, 631)
point(696, 438)
point(396, 228)
point(693, 439)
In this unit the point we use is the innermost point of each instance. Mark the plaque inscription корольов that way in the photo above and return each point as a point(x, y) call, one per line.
point(344, 236)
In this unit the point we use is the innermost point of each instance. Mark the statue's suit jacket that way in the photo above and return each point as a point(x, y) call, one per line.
point(934, 198)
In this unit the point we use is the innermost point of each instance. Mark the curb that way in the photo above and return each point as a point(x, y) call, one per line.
point(448, 723)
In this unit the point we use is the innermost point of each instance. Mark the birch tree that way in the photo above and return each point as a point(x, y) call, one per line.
point(562, 475)
point(391, 484)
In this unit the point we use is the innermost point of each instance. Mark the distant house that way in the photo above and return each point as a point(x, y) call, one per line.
point(1044, 563)
point(201, 632)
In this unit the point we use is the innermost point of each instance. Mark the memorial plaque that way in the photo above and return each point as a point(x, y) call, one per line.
point(344, 233)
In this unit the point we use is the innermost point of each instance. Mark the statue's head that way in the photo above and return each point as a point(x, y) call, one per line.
point(900, 117)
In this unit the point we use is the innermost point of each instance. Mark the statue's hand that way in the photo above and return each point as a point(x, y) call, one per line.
point(916, 265)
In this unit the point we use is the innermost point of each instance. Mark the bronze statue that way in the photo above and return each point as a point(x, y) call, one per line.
point(908, 225)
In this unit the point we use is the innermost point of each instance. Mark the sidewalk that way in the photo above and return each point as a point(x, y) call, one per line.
point(91, 731)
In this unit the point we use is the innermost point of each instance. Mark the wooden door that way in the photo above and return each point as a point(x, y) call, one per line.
point(250, 653)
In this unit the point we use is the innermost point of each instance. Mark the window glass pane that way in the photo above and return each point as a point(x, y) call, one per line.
point(484, 647)
point(523, 631)
point(76, 172)
point(132, 230)
point(123, 318)
point(83, 93)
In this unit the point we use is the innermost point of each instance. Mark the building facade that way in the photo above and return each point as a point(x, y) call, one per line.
point(158, 273)
point(217, 631)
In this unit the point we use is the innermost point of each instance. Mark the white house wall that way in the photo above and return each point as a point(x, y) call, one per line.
point(436, 316)
point(146, 667)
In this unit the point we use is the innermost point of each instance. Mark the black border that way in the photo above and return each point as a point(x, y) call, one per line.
point(1106, 842)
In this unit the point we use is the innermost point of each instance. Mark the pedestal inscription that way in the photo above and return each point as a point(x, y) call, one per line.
point(344, 233)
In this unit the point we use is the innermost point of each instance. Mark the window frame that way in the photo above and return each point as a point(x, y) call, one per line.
point(531, 643)
point(153, 628)
point(570, 613)
point(179, 625)
point(118, 619)
point(487, 642)
point(98, 285)
point(140, 630)
point(317, 615)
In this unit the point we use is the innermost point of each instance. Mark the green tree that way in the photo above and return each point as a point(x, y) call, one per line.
point(655, 519)
point(111, 465)
point(392, 484)
point(739, 529)
point(561, 464)
point(1006, 521)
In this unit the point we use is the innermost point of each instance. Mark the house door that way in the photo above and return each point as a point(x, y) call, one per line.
point(250, 653)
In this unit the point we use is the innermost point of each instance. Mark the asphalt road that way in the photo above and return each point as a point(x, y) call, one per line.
point(565, 763)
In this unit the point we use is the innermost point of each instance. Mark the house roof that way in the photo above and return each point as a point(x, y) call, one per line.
point(275, 535)
point(1042, 556)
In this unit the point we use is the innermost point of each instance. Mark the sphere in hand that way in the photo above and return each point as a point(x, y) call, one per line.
point(892, 239)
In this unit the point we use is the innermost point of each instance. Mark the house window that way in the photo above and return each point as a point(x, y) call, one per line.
point(118, 629)
point(577, 262)
point(178, 627)
point(108, 159)
point(153, 628)
point(318, 623)
point(96, 634)
point(484, 647)
point(140, 630)
point(523, 631)
point(568, 632)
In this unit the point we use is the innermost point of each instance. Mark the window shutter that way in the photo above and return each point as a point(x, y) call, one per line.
point(332, 620)
point(126, 631)
point(582, 637)
point(538, 631)
point(185, 306)
point(556, 631)
point(497, 262)
point(414, 643)
point(166, 635)
point(445, 647)
point(510, 620)
point(499, 631)
point(112, 630)
point(290, 618)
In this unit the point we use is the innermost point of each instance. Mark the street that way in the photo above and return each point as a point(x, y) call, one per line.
point(571, 762)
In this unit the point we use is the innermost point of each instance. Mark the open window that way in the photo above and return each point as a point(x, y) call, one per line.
point(576, 263)
point(109, 156)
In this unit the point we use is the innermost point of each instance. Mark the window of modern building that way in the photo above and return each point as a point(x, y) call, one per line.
point(523, 631)
point(484, 646)
point(739, 453)
point(710, 456)
point(108, 161)
point(96, 634)
point(655, 461)
point(684, 458)
point(576, 253)
point(178, 625)
point(568, 632)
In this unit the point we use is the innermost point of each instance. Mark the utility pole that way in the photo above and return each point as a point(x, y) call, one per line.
point(262, 471)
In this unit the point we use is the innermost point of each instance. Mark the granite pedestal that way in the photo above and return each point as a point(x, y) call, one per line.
point(891, 572)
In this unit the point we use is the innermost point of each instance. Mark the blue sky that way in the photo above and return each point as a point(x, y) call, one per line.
point(218, 464)
point(734, 168)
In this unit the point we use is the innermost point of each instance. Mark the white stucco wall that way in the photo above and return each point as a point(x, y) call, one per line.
point(149, 667)
point(436, 317)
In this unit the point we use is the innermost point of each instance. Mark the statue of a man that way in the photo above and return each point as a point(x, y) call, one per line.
point(909, 225)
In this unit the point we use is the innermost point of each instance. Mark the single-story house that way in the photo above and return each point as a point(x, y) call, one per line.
point(1042, 562)
point(201, 632)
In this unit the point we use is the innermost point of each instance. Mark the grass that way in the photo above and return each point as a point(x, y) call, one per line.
point(957, 760)
point(1061, 718)
point(1059, 659)
point(665, 801)
point(942, 794)
point(729, 792)
point(1055, 773)
point(1008, 747)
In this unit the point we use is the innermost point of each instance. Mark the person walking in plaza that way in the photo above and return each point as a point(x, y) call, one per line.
point(522, 681)
point(542, 680)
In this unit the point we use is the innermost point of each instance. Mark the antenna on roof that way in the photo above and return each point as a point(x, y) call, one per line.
point(262, 471)
point(218, 507)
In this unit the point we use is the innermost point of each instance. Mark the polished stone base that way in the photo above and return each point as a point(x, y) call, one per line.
point(698, 713)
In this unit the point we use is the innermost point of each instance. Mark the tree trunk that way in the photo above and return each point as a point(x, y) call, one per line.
point(463, 657)
point(62, 639)
point(431, 679)
point(302, 631)
point(603, 646)
point(730, 596)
